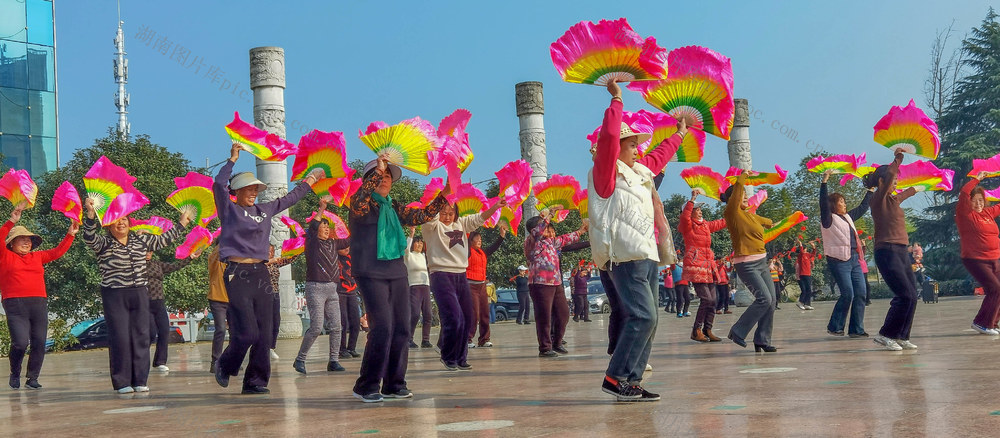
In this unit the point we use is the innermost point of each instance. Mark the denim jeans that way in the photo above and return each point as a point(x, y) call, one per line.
point(634, 282)
point(757, 277)
point(851, 282)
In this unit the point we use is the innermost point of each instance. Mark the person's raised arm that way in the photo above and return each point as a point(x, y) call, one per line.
point(656, 160)
point(825, 215)
point(608, 144)
point(97, 243)
point(735, 201)
point(155, 243)
point(496, 245)
point(60, 250)
point(684, 222)
point(300, 191)
point(862, 208)
point(220, 187)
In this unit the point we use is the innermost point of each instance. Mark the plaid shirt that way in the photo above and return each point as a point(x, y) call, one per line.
point(156, 270)
point(543, 255)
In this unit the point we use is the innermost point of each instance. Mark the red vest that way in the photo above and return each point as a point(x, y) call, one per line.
point(477, 265)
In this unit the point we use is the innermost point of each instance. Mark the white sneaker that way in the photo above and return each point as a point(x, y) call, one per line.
point(810, 308)
point(274, 356)
point(126, 390)
point(161, 368)
point(141, 389)
point(649, 367)
point(487, 344)
point(984, 330)
point(889, 344)
point(800, 305)
point(471, 345)
point(905, 344)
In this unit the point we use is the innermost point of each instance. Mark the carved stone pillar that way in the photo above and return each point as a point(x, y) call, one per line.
point(267, 80)
point(530, 111)
point(739, 138)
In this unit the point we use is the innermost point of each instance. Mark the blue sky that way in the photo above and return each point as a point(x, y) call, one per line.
point(827, 70)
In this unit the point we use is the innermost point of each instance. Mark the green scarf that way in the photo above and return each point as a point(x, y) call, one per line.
point(391, 240)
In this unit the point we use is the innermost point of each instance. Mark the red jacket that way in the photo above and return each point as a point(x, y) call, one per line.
point(699, 260)
point(721, 275)
point(805, 261)
point(977, 232)
point(24, 276)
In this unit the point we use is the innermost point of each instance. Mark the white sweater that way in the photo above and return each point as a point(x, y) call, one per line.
point(448, 245)
point(416, 265)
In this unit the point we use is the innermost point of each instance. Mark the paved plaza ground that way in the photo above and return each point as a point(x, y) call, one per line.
point(816, 385)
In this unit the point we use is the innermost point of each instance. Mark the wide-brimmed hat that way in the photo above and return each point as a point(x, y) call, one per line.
point(393, 170)
point(19, 231)
point(628, 132)
point(245, 179)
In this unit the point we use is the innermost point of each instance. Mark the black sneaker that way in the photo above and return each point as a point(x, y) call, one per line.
point(448, 366)
point(369, 398)
point(221, 378)
point(299, 365)
point(334, 366)
point(835, 333)
point(353, 353)
point(33, 384)
point(256, 390)
point(211, 368)
point(548, 353)
point(561, 350)
point(413, 344)
point(402, 393)
point(426, 344)
point(464, 367)
point(14, 382)
point(858, 335)
point(622, 390)
point(647, 396)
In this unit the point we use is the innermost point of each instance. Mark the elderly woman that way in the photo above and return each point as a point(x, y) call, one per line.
point(746, 230)
point(843, 249)
point(121, 258)
point(980, 249)
point(447, 261)
point(891, 257)
point(243, 246)
point(322, 281)
point(22, 287)
point(476, 272)
point(541, 248)
point(699, 265)
point(523, 295)
point(420, 289)
point(350, 308)
point(376, 225)
point(159, 320)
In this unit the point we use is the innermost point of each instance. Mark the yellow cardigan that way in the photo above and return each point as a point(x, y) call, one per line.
point(746, 229)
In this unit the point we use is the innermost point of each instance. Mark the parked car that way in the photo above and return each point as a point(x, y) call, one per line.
point(597, 297)
point(93, 333)
point(507, 304)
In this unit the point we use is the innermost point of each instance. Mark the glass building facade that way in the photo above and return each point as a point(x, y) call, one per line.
point(27, 85)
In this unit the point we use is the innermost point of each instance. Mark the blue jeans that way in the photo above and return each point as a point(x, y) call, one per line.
point(634, 282)
point(851, 282)
point(757, 278)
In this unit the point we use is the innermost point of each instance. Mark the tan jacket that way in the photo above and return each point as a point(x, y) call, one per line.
point(216, 287)
point(746, 229)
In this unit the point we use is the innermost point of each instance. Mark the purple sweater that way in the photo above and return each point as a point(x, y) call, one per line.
point(246, 231)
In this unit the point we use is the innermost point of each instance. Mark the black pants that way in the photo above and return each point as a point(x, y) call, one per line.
point(523, 306)
point(219, 311)
point(617, 317)
point(276, 317)
point(420, 303)
point(251, 313)
point(894, 264)
point(28, 322)
point(721, 297)
point(581, 308)
point(387, 303)
point(805, 284)
point(683, 298)
point(350, 322)
point(126, 311)
point(159, 330)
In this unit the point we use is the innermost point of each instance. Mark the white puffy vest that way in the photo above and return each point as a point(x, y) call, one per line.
point(837, 238)
point(621, 226)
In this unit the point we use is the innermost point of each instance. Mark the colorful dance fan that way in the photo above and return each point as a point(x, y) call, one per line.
point(992, 195)
point(924, 174)
point(560, 216)
point(339, 227)
point(196, 201)
point(406, 143)
point(591, 53)
point(452, 130)
point(692, 148)
point(838, 163)
point(293, 247)
point(105, 181)
point(990, 165)
point(293, 226)
point(784, 225)
point(493, 220)
point(638, 121)
point(17, 186)
point(343, 189)
point(431, 191)
point(197, 240)
point(698, 89)
point(909, 129)
point(582, 204)
point(66, 200)
point(469, 200)
point(557, 190)
point(860, 173)
point(755, 178)
point(321, 150)
point(260, 143)
point(155, 225)
point(122, 206)
point(706, 181)
point(755, 200)
point(514, 179)
point(511, 217)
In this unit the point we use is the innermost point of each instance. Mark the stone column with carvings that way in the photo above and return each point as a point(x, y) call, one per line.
point(267, 80)
point(739, 138)
point(530, 111)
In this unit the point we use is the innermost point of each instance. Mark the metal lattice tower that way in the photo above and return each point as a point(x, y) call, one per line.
point(121, 78)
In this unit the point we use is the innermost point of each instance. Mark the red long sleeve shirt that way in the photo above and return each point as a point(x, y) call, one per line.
point(609, 146)
point(23, 275)
point(977, 232)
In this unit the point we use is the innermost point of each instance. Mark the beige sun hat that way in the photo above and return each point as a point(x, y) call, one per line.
point(19, 231)
point(393, 170)
point(245, 179)
point(628, 132)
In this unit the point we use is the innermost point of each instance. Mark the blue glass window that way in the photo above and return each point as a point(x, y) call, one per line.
point(42, 105)
point(43, 155)
point(14, 113)
point(16, 151)
point(39, 22)
point(41, 68)
point(12, 23)
point(13, 64)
